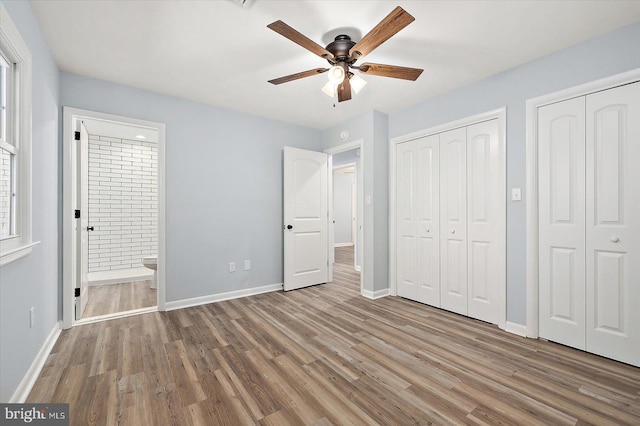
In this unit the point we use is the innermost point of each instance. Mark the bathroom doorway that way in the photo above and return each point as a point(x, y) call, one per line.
point(113, 186)
point(122, 217)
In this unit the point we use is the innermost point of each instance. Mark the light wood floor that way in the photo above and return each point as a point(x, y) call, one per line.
point(325, 355)
point(112, 298)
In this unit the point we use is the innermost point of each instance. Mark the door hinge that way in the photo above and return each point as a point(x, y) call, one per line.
point(77, 214)
point(76, 293)
point(76, 136)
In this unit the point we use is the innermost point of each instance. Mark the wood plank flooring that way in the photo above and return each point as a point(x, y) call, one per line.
point(121, 297)
point(325, 355)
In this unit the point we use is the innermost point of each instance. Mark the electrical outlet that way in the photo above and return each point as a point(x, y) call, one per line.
point(232, 267)
point(32, 317)
point(247, 265)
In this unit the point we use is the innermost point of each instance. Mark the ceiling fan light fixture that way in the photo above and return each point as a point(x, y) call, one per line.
point(336, 74)
point(357, 83)
point(343, 52)
point(329, 89)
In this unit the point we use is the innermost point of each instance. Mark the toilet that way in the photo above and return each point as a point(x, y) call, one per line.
point(152, 263)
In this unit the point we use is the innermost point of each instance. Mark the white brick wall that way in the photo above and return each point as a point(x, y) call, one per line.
point(123, 201)
point(5, 192)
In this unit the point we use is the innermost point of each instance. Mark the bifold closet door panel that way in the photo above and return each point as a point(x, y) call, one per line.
point(406, 250)
point(486, 222)
point(561, 187)
point(453, 220)
point(417, 220)
point(613, 223)
point(428, 219)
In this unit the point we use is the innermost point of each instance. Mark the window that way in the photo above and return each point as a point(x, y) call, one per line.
point(8, 151)
point(15, 143)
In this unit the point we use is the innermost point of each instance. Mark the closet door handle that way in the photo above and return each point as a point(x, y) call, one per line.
point(427, 230)
point(453, 231)
point(614, 239)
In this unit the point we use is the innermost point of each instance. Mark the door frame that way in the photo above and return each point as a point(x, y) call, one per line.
point(70, 178)
point(532, 194)
point(500, 114)
point(82, 233)
point(357, 144)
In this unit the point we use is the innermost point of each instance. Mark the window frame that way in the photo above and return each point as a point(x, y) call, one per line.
point(8, 143)
point(16, 51)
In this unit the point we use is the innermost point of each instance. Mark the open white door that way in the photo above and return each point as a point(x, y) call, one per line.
point(83, 232)
point(305, 218)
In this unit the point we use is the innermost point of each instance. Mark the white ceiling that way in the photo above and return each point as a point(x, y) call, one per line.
point(220, 53)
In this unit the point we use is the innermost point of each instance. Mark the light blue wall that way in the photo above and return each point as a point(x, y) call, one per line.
point(223, 185)
point(600, 57)
point(343, 207)
point(33, 281)
point(381, 200)
point(345, 157)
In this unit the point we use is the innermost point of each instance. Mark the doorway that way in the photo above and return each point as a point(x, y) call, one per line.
point(309, 224)
point(347, 206)
point(113, 227)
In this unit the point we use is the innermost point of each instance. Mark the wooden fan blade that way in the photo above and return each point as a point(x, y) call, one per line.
point(394, 22)
point(298, 75)
point(344, 90)
point(299, 38)
point(393, 71)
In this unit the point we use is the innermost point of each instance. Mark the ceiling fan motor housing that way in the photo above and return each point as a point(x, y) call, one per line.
point(340, 48)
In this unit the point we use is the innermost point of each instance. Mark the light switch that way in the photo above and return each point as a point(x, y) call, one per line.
point(516, 194)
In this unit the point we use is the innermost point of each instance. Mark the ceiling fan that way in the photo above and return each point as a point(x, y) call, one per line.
point(343, 53)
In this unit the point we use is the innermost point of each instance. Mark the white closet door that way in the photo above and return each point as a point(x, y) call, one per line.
point(453, 220)
point(561, 184)
point(485, 222)
point(417, 213)
point(428, 219)
point(406, 251)
point(613, 223)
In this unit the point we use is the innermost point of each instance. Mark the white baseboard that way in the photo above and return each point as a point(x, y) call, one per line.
point(116, 315)
point(29, 379)
point(519, 329)
point(375, 294)
point(120, 276)
point(212, 298)
point(343, 245)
